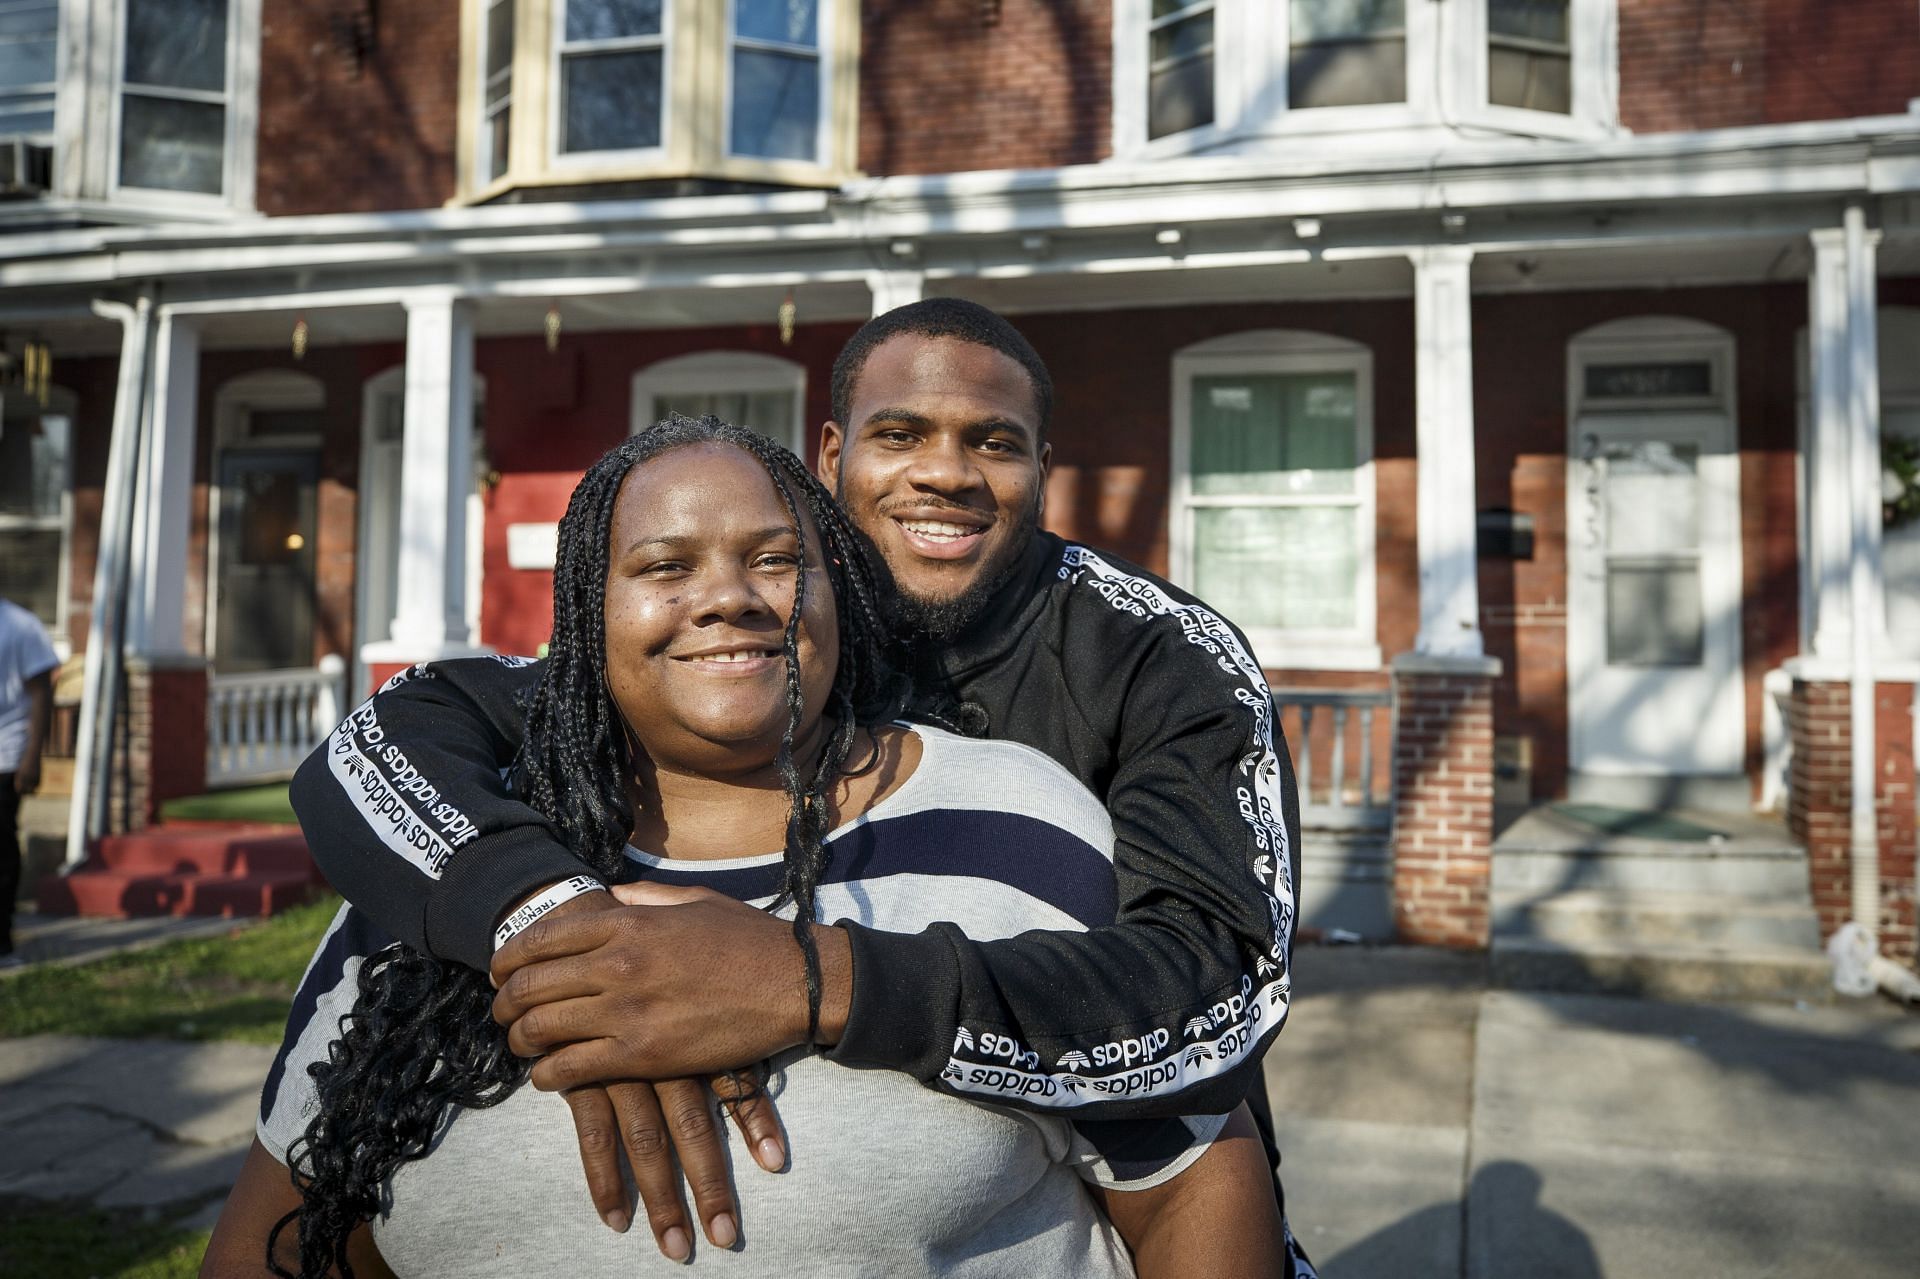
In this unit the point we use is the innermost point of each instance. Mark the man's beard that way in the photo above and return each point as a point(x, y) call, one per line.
point(942, 621)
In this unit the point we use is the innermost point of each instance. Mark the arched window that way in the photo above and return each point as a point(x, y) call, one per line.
point(1273, 506)
point(748, 389)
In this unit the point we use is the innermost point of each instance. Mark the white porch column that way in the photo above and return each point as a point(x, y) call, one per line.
point(437, 460)
point(163, 501)
point(895, 288)
point(1443, 410)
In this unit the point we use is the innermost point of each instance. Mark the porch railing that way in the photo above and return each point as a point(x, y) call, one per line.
point(1342, 744)
point(260, 725)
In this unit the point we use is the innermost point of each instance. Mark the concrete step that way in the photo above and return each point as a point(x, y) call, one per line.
point(206, 848)
point(1749, 872)
point(103, 892)
point(1599, 916)
point(1678, 972)
point(1346, 883)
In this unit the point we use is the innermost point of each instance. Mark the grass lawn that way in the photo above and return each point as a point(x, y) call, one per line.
point(266, 803)
point(51, 1240)
point(231, 986)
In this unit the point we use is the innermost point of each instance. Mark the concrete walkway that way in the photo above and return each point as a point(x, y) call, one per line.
point(1433, 1129)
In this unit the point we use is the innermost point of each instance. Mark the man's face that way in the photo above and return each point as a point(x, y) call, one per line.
point(941, 466)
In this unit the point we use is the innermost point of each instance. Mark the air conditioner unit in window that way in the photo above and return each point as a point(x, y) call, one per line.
point(26, 166)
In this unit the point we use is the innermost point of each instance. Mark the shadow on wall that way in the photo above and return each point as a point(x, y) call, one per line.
point(1507, 1192)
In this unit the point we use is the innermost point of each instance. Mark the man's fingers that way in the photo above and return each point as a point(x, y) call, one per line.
point(547, 982)
point(643, 1130)
point(547, 1027)
point(742, 1096)
point(700, 1143)
point(596, 1124)
point(571, 928)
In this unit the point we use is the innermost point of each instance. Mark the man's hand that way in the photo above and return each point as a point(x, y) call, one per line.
point(26, 778)
point(688, 984)
point(649, 1120)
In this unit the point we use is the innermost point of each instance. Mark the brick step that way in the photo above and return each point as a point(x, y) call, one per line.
point(102, 892)
point(208, 848)
point(1752, 973)
point(1752, 873)
point(1596, 916)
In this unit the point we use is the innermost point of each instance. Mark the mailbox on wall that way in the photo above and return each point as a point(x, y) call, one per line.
point(1505, 534)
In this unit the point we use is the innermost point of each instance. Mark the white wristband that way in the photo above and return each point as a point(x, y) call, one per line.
point(564, 891)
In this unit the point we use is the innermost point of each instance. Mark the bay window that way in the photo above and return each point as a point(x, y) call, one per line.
point(1273, 493)
point(586, 91)
point(29, 30)
point(173, 96)
point(1222, 75)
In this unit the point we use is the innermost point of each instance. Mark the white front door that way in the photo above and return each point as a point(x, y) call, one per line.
point(1653, 595)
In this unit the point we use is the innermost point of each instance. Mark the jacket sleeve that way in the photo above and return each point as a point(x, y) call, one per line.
point(1169, 1010)
point(408, 812)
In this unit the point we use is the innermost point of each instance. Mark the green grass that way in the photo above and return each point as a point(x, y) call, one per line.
point(233, 985)
point(248, 804)
point(53, 1241)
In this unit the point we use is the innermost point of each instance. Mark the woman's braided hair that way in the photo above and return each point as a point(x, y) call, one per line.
point(421, 1039)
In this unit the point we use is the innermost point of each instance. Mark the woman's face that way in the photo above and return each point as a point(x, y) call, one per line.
point(703, 563)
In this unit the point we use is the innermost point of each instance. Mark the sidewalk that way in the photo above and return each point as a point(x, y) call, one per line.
point(1433, 1128)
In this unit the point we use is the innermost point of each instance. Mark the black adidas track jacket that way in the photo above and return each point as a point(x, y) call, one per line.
point(1151, 699)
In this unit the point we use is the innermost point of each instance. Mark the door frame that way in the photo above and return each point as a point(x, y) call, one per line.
point(1713, 418)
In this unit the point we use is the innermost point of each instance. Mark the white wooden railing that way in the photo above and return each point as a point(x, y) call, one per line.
point(262, 724)
point(1345, 783)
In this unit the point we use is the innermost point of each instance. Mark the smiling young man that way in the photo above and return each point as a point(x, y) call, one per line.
point(938, 451)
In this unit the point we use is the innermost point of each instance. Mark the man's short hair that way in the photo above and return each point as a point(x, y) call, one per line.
point(941, 318)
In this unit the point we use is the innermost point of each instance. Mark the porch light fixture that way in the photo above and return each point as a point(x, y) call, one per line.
point(787, 314)
point(1170, 236)
point(300, 335)
point(552, 326)
point(31, 370)
point(1306, 228)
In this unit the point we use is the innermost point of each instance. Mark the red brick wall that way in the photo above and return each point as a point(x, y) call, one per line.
point(1443, 808)
point(1820, 809)
point(948, 86)
point(166, 740)
point(1520, 406)
point(1714, 64)
point(336, 139)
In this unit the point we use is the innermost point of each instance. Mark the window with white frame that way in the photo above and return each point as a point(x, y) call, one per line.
point(173, 95)
point(612, 74)
point(762, 392)
point(579, 91)
point(496, 88)
point(29, 34)
point(1344, 53)
point(36, 458)
point(1273, 506)
point(1194, 75)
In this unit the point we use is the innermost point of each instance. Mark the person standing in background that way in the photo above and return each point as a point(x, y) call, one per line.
point(27, 661)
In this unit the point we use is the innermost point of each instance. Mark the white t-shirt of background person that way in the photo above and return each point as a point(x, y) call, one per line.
point(25, 652)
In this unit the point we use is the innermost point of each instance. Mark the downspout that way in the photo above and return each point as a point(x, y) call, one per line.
point(1863, 434)
point(100, 685)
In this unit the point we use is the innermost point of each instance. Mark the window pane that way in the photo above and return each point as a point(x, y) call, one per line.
point(172, 146)
point(612, 19)
point(30, 19)
point(1542, 20)
point(1345, 19)
point(782, 21)
point(30, 570)
point(768, 412)
point(500, 39)
point(1528, 79)
point(1274, 435)
point(612, 101)
point(1347, 74)
point(1180, 97)
point(178, 43)
point(499, 129)
point(776, 105)
point(26, 113)
point(1654, 616)
point(33, 465)
point(1288, 567)
point(1652, 498)
point(1182, 39)
point(1649, 380)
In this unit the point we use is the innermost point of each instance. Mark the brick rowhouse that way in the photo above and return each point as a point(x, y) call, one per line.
point(1443, 799)
point(1819, 812)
